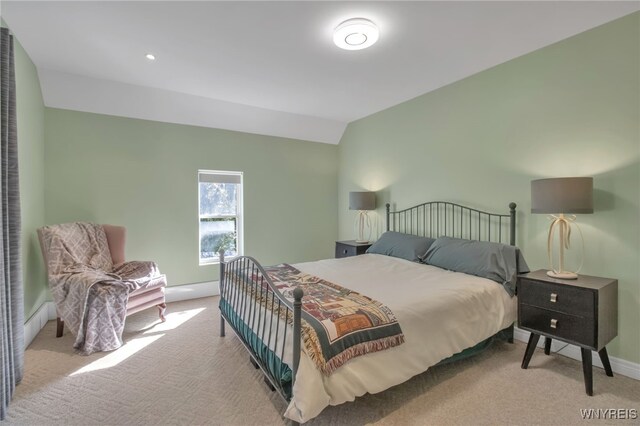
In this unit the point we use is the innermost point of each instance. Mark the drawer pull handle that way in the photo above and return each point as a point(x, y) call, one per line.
point(554, 323)
point(554, 297)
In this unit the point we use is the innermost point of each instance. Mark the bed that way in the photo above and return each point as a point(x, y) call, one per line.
point(444, 315)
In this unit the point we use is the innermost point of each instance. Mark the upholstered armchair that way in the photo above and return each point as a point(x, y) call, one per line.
point(99, 255)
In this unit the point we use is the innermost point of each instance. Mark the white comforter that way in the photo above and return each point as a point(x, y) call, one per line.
point(440, 312)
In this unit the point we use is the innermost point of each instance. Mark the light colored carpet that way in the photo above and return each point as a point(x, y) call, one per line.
point(181, 372)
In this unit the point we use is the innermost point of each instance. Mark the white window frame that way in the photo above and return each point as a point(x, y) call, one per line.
point(239, 214)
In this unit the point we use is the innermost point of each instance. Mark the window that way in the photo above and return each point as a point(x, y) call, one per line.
point(220, 214)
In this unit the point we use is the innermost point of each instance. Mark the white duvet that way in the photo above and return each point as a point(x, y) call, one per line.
point(440, 312)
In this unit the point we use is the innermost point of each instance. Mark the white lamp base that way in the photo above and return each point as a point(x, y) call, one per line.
point(564, 228)
point(362, 222)
point(563, 275)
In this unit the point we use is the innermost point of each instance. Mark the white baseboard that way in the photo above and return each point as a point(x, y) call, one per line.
point(619, 366)
point(47, 311)
point(191, 291)
point(37, 321)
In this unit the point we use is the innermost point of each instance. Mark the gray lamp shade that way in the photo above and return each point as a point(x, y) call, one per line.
point(362, 201)
point(572, 195)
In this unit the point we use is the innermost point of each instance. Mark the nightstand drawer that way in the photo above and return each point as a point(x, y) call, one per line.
point(350, 248)
point(344, 250)
point(571, 328)
point(558, 297)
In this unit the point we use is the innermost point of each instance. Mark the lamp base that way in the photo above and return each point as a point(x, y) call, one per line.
point(563, 275)
point(362, 222)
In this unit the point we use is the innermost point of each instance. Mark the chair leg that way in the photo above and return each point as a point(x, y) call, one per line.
point(59, 327)
point(161, 308)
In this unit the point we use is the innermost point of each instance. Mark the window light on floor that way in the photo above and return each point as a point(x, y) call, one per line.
point(132, 346)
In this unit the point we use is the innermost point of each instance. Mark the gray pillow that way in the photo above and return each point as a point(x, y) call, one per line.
point(404, 246)
point(498, 262)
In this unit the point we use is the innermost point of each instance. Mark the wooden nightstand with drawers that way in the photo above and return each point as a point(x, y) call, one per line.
point(350, 248)
point(582, 312)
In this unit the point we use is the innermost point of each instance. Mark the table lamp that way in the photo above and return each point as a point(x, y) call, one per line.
point(362, 202)
point(559, 197)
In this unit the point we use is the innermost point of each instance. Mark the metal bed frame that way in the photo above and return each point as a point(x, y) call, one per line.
point(439, 218)
point(243, 276)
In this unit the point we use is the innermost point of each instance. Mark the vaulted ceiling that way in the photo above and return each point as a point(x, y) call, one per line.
point(271, 67)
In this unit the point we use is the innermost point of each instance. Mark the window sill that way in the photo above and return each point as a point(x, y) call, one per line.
point(217, 261)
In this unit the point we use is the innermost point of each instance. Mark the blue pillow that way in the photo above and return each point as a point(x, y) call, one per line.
point(498, 262)
point(404, 246)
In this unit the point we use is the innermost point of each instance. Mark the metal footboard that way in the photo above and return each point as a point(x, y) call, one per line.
point(260, 316)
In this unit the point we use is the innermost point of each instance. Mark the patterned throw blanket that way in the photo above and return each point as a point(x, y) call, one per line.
point(337, 324)
point(90, 293)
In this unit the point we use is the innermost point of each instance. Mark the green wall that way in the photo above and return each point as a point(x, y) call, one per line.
point(143, 175)
point(31, 173)
point(570, 109)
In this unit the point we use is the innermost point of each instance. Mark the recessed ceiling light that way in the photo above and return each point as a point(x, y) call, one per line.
point(355, 34)
point(150, 56)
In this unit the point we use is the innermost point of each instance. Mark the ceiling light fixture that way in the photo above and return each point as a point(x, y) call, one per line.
point(355, 34)
point(150, 56)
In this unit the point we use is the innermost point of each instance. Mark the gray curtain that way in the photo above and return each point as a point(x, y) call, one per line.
point(11, 297)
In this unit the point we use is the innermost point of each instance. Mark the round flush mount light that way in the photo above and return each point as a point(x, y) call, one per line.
point(150, 56)
point(355, 34)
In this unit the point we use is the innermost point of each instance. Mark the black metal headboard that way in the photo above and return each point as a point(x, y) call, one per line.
point(440, 218)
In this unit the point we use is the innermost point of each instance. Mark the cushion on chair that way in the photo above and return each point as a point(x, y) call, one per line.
point(140, 301)
point(149, 294)
point(159, 282)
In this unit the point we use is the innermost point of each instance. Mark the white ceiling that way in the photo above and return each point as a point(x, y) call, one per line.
point(271, 67)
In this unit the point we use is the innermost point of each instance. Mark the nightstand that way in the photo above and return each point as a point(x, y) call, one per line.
point(350, 248)
point(583, 312)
